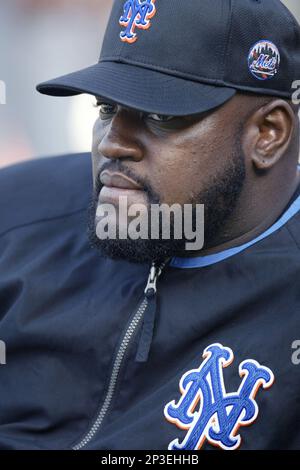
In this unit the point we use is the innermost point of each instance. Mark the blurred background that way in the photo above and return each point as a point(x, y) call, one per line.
point(41, 39)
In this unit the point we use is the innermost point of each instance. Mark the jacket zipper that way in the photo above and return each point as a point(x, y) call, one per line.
point(150, 291)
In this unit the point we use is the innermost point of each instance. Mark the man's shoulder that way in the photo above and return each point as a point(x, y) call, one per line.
point(44, 188)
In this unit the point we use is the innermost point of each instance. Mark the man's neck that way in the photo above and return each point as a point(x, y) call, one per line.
point(233, 234)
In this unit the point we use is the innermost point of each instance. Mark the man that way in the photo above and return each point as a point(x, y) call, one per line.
point(142, 343)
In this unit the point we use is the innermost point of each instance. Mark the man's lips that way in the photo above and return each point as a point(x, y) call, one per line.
point(116, 185)
point(118, 180)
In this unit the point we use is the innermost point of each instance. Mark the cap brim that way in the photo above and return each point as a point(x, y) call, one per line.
point(140, 88)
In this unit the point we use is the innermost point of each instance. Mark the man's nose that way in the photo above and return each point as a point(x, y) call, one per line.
point(119, 141)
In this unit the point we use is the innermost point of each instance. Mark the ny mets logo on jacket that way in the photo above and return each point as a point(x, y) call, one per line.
point(137, 14)
point(220, 414)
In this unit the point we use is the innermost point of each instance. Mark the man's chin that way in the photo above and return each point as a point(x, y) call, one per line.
point(137, 251)
point(118, 244)
point(140, 250)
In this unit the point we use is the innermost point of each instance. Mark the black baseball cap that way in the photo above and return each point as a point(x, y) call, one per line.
point(180, 57)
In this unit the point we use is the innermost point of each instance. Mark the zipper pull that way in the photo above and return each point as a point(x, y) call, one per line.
point(150, 289)
point(149, 314)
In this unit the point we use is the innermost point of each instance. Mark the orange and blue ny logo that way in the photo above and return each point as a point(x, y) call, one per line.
point(136, 14)
point(207, 411)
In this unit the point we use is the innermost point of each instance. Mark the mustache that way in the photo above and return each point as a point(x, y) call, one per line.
point(119, 167)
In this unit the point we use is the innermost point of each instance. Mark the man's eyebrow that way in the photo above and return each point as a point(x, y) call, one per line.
point(101, 99)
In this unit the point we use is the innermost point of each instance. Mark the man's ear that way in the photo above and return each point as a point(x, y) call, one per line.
point(268, 133)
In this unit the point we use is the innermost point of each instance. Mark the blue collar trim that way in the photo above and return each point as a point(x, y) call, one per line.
point(203, 261)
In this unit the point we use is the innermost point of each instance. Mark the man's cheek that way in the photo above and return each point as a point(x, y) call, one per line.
point(177, 191)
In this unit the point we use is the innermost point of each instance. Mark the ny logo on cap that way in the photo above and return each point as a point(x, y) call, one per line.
point(136, 14)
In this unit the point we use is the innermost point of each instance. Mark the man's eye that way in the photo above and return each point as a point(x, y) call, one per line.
point(107, 109)
point(159, 117)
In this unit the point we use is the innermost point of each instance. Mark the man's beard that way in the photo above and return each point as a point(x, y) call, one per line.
point(219, 199)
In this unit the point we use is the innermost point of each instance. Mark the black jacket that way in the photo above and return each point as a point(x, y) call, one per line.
point(85, 370)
